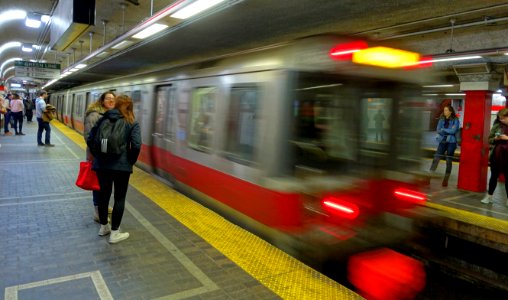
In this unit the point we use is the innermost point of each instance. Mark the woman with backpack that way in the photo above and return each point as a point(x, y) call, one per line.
point(447, 127)
point(114, 168)
point(94, 112)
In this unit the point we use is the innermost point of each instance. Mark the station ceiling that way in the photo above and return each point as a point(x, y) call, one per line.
point(433, 27)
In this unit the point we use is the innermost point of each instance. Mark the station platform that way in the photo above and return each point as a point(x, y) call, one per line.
point(177, 249)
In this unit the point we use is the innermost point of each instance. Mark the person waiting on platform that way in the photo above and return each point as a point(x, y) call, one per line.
point(40, 108)
point(94, 112)
point(17, 108)
point(7, 115)
point(29, 106)
point(447, 126)
point(498, 139)
point(116, 169)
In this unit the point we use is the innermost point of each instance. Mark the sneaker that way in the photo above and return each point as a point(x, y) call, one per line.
point(49, 145)
point(117, 236)
point(40, 145)
point(105, 230)
point(487, 199)
point(21, 133)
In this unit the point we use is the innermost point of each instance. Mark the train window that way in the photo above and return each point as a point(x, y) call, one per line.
point(324, 123)
point(202, 112)
point(241, 124)
point(170, 123)
point(160, 111)
point(375, 129)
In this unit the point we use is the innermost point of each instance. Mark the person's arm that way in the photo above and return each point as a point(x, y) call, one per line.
point(135, 143)
point(452, 129)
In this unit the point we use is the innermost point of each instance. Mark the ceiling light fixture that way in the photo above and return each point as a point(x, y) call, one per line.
point(33, 20)
point(7, 62)
point(8, 45)
point(27, 48)
point(450, 59)
point(438, 86)
point(122, 45)
point(12, 14)
point(149, 31)
point(195, 8)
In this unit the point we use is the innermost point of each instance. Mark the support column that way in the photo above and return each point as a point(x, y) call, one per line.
point(474, 154)
point(475, 145)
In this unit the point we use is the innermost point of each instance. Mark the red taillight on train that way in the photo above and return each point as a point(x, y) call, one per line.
point(410, 196)
point(345, 51)
point(340, 208)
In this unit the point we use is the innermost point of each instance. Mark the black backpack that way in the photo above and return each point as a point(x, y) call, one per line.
point(110, 137)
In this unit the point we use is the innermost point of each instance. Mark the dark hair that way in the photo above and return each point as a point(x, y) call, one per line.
point(103, 96)
point(15, 96)
point(450, 108)
point(125, 106)
point(42, 92)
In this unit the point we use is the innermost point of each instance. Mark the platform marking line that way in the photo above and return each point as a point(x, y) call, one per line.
point(19, 162)
point(43, 201)
point(66, 146)
point(11, 292)
point(278, 271)
point(475, 207)
point(45, 195)
point(208, 284)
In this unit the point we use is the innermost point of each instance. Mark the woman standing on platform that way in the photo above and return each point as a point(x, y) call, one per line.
point(94, 112)
point(498, 138)
point(17, 108)
point(447, 126)
point(116, 170)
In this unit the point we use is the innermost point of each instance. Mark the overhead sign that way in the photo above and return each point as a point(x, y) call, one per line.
point(36, 70)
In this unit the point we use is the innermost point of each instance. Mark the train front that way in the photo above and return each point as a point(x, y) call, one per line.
point(355, 148)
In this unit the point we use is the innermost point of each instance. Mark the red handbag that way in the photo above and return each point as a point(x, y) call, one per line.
point(87, 178)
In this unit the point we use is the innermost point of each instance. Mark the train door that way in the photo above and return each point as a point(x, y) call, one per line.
point(164, 128)
point(73, 109)
point(88, 100)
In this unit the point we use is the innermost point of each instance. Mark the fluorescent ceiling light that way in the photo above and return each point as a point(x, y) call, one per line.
point(195, 8)
point(150, 30)
point(27, 48)
point(45, 18)
point(74, 69)
point(455, 94)
point(449, 59)
point(102, 54)
point(12, 14)
point(438, 86)
point(81, 66)
point(429, 94)
point(8, 45)
point(122, 45)
point(15, 85)
point(33, 20)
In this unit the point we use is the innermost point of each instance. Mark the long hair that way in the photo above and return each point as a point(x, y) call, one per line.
point(125, 106)
point(99, 104)
point(450, 108)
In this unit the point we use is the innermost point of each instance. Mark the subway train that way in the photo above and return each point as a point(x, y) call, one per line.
point(313, 143)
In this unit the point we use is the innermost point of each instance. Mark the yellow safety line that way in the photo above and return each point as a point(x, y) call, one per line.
point(278, 271)
point(472, 218)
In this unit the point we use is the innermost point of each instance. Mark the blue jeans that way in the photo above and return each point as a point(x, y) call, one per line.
point(443, 147)
point(43, 126)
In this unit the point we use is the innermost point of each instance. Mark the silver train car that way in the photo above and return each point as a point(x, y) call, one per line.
point(307, 142)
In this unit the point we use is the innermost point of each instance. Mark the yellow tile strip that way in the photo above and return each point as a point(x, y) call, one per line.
point(472, 218)
point(281, 273)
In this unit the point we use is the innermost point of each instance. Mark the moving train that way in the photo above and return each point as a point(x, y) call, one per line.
point(314, 143)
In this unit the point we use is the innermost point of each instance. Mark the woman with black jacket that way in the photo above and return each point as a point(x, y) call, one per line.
point(116, 169)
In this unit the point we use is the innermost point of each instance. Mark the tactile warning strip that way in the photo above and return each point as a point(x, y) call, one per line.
point(471, 218)
point(281, 273)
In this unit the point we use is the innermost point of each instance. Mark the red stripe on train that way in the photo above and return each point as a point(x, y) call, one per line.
point(272, 208)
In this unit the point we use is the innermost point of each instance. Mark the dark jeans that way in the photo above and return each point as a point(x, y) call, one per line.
point(121, 182)
point(449, 148)
point(43, 126)
point(29, 115)
point(7, 121)
point(495, 171)
point(17, 117)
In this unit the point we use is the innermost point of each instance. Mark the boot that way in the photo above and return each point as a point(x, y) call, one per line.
point(96, 214)
point(445, 180)
point(487, 199)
